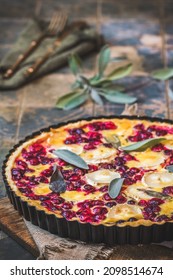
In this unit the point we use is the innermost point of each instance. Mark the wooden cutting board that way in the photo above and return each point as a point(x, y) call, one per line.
point(12, 224)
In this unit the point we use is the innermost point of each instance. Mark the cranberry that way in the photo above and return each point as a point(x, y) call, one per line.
point(120, 199)
point(89, 146)
point(161, 132)
point(99, 210)
point(70, 140)
point(161, 218)
point(104, 189)
point(97, 202)
point(95, 126)
point(152, 209)
point(79, 171)
point(128, 157)
point(58, 200)
point(76, 131)
point(79, 184)
point(119, 161)
point(85, 204)
point(93, 167)
point(61, 162)
point(22, 164)
point(84, 216)
point(151, 128)
point(122, 169)
point(68, 214)
point(74, 178)
point(42, 179)
point(157, 148)
point(137, 178)
point(47, 172)
point(67, 205)
point(155, 201)
point(110, 204)
point(45, 160)
point(107, 197)
point(139, 126)
point(37, 148)
point(108, 145)
point(44, 198)
point(89, 188)
point(168, 190)
point(131, 202)
point(98, 217)
point(34, 161)
point(143, 203)
point(128, 181)
point(93, 135)
point(17, 173)
point(133, 171)
point(168, 152)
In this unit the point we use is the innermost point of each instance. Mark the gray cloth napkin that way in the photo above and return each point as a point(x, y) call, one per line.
point(80, 41)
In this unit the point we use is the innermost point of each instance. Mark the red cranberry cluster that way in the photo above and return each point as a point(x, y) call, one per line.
point(97, 125)
point(151, 210)
point(91, 211)
point(36, 154)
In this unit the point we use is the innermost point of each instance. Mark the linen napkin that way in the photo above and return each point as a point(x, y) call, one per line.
point(79, 41)
point(53, 247)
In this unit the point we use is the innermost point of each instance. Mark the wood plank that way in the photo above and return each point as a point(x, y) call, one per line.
point(12, 224)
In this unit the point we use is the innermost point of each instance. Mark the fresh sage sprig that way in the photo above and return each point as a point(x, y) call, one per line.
point(71, 158)
point(115, 187)
point(57, 182)
point(142, 145)
point(98, 87)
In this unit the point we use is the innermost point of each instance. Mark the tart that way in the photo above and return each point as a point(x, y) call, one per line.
point(142, 209)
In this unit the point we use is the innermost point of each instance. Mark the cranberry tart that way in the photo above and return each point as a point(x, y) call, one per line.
point(108, 179)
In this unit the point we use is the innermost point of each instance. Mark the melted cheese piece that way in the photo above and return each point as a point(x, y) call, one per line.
point(103, 176)
point(136, 192)
point(158, 179)
point(75, 148)
point(123, 212)
point(42, 189)
point(146, 159)
point(101, 154)
point(79, 196)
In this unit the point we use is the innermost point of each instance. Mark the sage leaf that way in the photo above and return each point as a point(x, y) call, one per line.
point(155, 194)
point(169, 168)
point(163, 74)
point(103, 60)
point(114, 140)
point(75, 64)
point(118, 97)
point(120, 72)
point(71, 158)
point(96, 97)
point(71, 100)
point(115, 187)
point(142, 145)
point(57, 182)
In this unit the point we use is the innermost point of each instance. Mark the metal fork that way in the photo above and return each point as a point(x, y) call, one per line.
point(41, 60)
point(53, 29)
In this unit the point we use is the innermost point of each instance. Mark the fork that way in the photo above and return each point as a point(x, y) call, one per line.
point(62, 24)
point(52, 30)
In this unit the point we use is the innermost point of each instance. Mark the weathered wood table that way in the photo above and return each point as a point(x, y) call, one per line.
point(142, 30)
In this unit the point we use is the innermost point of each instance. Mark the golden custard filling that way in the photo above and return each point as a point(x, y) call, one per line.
point(146, 195)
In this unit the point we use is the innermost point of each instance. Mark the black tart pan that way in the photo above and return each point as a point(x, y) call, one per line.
point(85, 231)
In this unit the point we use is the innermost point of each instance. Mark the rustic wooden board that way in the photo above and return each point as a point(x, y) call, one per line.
point(12, 223)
